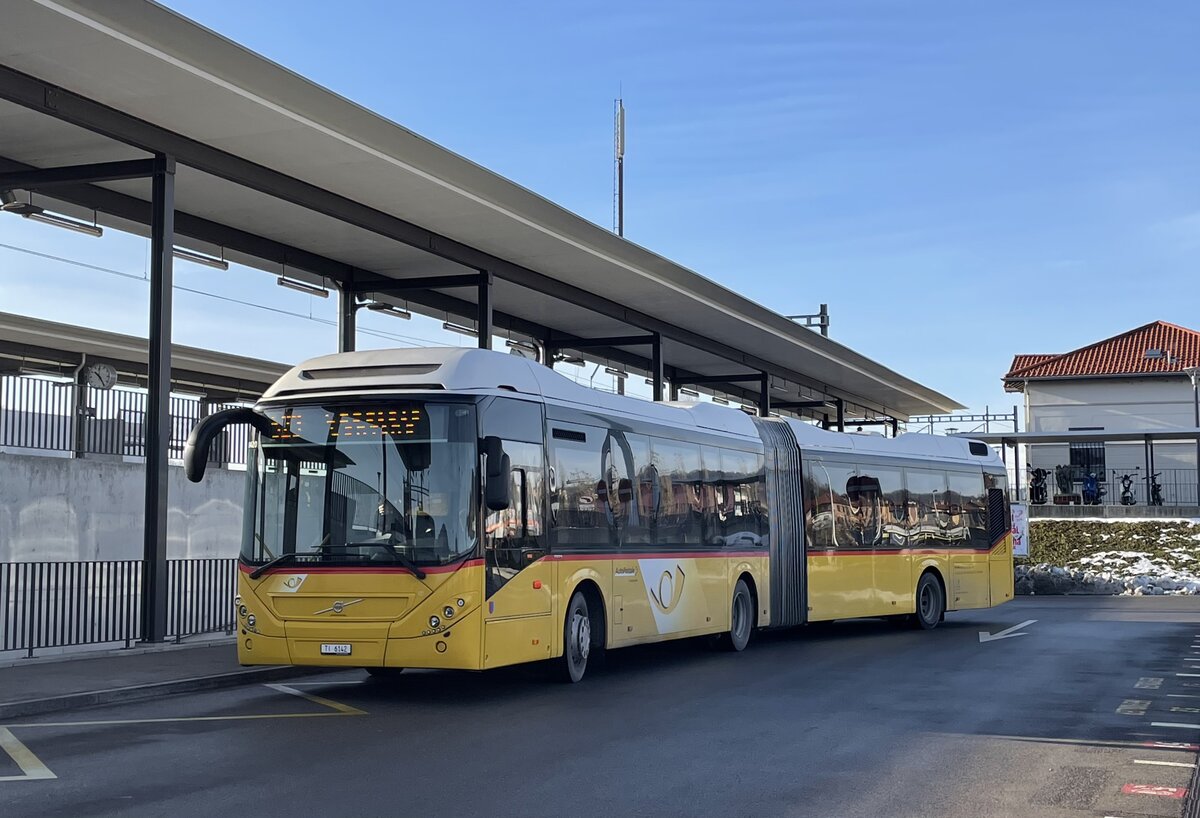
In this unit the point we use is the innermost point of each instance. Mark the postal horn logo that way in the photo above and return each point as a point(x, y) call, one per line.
point(669, 590)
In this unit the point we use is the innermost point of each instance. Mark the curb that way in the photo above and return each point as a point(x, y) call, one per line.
point(133, 693)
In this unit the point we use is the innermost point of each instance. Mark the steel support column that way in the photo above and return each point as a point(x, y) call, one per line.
point(764, 396)
point(158, 400)
point(484, 322)
point(1017, 468)
point(347, 318)
point(656, 366)
point(840, 405)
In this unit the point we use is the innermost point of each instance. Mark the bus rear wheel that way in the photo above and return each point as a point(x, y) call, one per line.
point(741, 619)
point(931, 603)
point(577, 640)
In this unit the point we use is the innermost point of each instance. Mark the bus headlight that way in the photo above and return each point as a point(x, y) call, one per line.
point(448, 611)
point(250, 621)
point(242, 610)
point(460, 602)
point(434, 621)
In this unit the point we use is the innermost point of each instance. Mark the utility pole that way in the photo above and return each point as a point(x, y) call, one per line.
point(1193, 372)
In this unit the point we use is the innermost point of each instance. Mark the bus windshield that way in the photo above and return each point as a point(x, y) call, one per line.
point(379, 483)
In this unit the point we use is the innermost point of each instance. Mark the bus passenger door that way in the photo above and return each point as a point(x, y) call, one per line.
point(518, 621)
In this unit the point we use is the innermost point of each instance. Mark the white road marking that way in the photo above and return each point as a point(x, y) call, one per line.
point(30, 765)
point(1187, 674)
point(1163, 763)
point(1180, 725)
point(984, 636)
point(1183, 696)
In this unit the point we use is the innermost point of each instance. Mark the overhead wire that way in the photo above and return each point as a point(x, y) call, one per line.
point(388, 336)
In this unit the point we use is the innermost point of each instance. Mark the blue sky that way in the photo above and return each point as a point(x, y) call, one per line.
point(958, 181)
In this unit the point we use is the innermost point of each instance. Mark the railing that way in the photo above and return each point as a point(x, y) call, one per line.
point(63, 604)
point(1177, 487)
point(42, 414)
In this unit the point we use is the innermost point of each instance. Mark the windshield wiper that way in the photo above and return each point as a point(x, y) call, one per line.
point(403, 560)
point(266, 566)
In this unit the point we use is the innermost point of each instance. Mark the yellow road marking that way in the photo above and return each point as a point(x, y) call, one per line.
point(335, 709)
point(30, 765)
point(344, 709)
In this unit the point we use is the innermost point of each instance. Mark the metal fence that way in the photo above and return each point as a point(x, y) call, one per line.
point(1177, 486)
point(62, 604)
point(52, 415)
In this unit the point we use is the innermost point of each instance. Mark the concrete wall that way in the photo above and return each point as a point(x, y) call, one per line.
point(65, 509)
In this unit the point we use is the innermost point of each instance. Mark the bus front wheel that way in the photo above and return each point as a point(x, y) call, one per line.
point(577, 640)
point(931, 602)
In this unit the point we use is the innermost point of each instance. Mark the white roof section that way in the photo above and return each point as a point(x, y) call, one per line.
point(150, 63)
point(479, 371)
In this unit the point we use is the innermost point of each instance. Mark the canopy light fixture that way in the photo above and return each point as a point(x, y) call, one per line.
point(778, 385)
point(302, 287)
point(38, 214)
point(200, 258)
point(460, 329)
point(574, 360)
point(720, 400)
point(616, 373)
point(691, 393)
point(388, 309)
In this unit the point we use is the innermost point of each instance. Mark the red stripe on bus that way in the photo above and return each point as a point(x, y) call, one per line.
point(301, 568)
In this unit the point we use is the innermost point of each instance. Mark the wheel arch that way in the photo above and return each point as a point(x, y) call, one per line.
point(590, 588)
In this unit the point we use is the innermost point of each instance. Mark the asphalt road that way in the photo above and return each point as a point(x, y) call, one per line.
point(853, 719)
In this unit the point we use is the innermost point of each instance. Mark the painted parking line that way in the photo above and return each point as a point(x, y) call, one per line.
point(31, 766)
point(1178, 725)
point(1171, 745)
point(1163, 763)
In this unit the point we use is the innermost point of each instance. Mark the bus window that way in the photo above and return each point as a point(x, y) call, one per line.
point(880, 501)
point(514, 537)
point(743, 499)
point(832, 518)
point(579, 521)
point(680, 473)
point(968, 499)
point(715, 500)
point(928, 508)
point(644, 490)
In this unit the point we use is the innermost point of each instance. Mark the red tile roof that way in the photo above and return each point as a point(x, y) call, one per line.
point(1123, 354)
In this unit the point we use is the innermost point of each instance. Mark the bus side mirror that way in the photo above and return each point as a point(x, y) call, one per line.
point(497, 483)
point(195, 453)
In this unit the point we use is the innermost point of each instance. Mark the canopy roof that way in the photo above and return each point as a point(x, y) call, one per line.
point(280, 174)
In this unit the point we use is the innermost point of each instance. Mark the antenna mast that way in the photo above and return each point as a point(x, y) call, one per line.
point(619, 148)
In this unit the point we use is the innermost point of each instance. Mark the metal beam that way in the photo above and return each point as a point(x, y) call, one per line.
point(704, 380)
point(609, 341)
point(57, 102)
point(764, 396)
point(39, 178)
point(840, 405)
point(483, 323)
point(347, 332)
point(803, 404)
point(158, 400)
point(403, 285)
point(656, 367)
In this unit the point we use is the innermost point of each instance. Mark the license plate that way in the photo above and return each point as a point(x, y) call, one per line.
point(342, 649)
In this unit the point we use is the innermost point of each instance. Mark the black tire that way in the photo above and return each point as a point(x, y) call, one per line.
point(741, 619)
point(384, 672)
point(931, 603)
point(577, 640)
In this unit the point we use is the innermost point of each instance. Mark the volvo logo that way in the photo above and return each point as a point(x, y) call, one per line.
point(337, 607)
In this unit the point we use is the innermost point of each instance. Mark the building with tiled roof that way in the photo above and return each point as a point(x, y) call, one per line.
point(1137, 381)
point(1157, 348)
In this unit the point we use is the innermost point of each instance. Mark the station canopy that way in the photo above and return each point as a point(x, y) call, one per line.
point(279, 174)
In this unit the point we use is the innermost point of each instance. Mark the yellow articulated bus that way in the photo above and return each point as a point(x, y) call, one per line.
point(450, 508)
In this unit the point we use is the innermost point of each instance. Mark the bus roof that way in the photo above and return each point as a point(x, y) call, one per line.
point(482, 371)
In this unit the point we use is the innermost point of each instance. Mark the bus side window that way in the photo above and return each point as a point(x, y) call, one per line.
point(516, 537)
